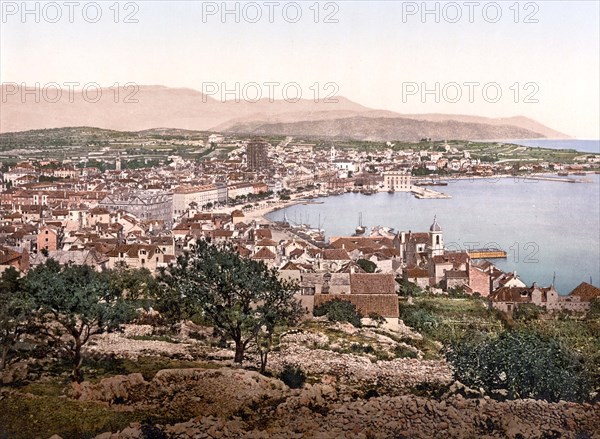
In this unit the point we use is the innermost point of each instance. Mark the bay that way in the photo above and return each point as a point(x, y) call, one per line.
point(547, 228)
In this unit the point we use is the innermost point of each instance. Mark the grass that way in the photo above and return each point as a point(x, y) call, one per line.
point(148, 366)
point(42, 408)
point(25, 416)
point(443, 319)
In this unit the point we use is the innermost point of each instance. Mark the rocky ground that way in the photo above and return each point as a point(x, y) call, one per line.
point(232, 403)
point(360, 383)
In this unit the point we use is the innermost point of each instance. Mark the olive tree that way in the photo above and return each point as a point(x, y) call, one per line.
point(241, 298)
point(74, 303)
point(15, 312)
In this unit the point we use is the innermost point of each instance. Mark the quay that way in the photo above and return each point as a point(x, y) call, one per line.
point(425, 193)
point(487, 253)
point(560, 179)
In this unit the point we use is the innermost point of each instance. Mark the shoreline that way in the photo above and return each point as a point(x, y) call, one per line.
point(260, 214)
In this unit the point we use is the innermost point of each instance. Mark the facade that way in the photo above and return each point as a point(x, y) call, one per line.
point(184, 196)
point(47, 239)
point(144, 205)
point(257, 155)
point(398, 181)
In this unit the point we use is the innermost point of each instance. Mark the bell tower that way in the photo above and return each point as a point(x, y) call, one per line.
point(436, 242)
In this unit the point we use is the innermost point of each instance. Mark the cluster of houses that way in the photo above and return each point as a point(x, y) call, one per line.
point(145, 218)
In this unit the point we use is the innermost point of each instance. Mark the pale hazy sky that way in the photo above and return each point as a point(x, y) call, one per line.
point(372, 52)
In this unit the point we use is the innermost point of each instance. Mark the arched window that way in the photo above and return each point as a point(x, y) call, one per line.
point(437, 240)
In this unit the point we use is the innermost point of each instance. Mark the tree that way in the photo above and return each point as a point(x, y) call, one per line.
point(368, 266)
point(16, 309)
point(338, 310)
point(76, 302)
point(241, 298)
point(527, 312)
point(520, 364)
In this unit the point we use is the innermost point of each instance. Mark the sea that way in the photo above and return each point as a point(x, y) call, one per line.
point(549, 229)
point(576, 144)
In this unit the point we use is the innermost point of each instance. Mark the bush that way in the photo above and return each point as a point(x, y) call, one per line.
point(520, 364)
point(292, 376)
point(408, 288)
point(418, 318)
point(367, 265)
point(401, 351)
point(527, 312)
point(377, 318)
point(338, 310)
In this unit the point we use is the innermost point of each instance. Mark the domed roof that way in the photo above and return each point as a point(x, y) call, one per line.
point(435, 227)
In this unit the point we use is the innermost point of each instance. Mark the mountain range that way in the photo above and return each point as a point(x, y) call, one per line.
point(159, 106)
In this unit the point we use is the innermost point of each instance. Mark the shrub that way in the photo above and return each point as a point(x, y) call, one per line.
point(527, 312)
point(338, 310)
point(378, 319)
point(520, 364)
point(367, 265)
point(418, 318)
point(292, 376)
point(401, 351)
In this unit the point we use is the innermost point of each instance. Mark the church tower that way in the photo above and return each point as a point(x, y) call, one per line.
point(436, 243)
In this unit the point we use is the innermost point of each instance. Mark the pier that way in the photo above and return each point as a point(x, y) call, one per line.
point(487, 253)
point(425, 193)
point(560, 179)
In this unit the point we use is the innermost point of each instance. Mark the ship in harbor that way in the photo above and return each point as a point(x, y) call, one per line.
point(361, 229)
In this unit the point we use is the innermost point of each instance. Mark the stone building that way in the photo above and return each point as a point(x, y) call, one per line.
point(144, 205)
point(397, 181)
point(257, 155)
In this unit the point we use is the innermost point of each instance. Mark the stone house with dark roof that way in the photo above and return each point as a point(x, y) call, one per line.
point(508, 298)
point(369, 292)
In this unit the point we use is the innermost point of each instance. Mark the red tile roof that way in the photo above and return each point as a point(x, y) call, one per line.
point(586, 292)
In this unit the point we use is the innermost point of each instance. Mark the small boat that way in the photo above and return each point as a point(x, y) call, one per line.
point(391, 191)
point(360, 230)
point(579, 173)
point(563, 174)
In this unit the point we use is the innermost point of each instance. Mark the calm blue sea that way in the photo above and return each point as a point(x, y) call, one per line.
point(579, 145)
point(546, 227)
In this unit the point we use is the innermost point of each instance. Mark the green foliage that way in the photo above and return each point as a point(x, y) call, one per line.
point(417, 318)
point(338, 310)
point(457, 292)
point(367, 265)
point(78, 302)
point(293, 376)
point(408, 288)
point(401, 351)
point(527, 312)
point(594, 311)
point(520, 364)
point(377, 318)
point(239, 297)
point(16, 307)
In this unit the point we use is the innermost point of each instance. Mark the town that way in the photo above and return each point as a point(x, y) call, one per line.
point(120, 204)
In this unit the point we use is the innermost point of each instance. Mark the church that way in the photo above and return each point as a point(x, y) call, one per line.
point(427, 263)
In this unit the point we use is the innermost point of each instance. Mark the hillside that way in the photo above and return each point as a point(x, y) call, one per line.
point(383, 129)
point(181, 108)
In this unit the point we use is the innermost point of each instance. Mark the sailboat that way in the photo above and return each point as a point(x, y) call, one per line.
point(360, 229)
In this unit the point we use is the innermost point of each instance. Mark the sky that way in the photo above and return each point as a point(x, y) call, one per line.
point(495, 59)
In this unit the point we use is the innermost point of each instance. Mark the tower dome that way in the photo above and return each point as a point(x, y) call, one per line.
point(435, 227)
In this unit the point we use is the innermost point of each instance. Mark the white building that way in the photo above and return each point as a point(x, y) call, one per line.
point(184, 196)
point(398, 181)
